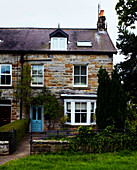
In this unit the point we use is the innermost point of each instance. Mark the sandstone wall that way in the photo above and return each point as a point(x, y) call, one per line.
point(58, 74)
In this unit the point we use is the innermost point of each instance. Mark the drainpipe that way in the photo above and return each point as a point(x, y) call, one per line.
point(21, 61)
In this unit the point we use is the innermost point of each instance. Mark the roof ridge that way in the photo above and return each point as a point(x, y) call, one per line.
point(47, 28)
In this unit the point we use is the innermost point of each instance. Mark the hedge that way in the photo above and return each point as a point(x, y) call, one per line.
point(19, 125)
point(108, 140)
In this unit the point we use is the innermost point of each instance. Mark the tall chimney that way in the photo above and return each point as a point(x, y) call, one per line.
point(101, 21)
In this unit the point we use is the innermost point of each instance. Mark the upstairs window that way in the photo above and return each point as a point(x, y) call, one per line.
point(80, 76)
point(58, 43)
point(5, 75)
point(37, 74)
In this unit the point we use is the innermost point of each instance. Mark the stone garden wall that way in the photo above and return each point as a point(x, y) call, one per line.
point(44, 146)
point(4, 147)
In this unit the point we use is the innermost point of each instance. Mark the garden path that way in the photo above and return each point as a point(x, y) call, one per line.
point(23, 149)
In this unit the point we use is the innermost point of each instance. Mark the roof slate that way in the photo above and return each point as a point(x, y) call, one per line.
point(38, 39)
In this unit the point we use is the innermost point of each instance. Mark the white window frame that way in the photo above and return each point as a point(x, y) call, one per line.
point(73, 101)
point(38, 85)
point(86, 85)
point(6, 74)
point(58, 43)
point(84, 44)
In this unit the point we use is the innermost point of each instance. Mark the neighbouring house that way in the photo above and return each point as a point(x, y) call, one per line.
point(64, 60)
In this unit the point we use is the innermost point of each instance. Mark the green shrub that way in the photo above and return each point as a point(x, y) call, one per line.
point(109, 140)
point(19, 125)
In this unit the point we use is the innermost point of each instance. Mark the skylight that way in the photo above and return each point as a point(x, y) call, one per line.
point(84, 43)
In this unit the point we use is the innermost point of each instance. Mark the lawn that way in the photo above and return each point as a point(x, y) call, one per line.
point(118, 160)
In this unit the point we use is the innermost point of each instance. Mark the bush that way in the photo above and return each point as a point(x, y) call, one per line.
point(109, 140)
point(19, 125)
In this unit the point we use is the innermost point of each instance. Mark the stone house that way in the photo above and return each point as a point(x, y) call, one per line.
point(64, 60)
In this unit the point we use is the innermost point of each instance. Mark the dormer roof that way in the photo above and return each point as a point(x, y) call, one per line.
point(58, 33)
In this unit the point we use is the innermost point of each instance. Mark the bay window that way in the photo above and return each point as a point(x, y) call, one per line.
point(80, 112)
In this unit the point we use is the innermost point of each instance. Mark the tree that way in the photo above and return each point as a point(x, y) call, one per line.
point(103, 118)
point(118, 107)
point(127, 44)
point(23, 89)
point(127, 12)
point(111, 103)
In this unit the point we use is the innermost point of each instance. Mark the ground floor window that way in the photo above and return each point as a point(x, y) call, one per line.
point(5, 112)
point(80, 112)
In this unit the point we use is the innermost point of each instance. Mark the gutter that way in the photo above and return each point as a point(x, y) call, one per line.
point(21, 102)
point(55, 52)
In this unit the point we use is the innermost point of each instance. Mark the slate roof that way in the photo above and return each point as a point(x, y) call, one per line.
point(38, 39)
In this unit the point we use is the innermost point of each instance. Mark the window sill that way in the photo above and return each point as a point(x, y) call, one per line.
point(37, 87)
point(81, 87)
point(79, 124)
point(58, 49)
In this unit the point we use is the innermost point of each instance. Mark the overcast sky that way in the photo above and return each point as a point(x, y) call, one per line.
point(69, 13)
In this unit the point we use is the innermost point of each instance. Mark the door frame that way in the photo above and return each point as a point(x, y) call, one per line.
point(41, 117)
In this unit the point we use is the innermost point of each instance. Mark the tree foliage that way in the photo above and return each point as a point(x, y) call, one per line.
point(23, 89)
point(117, 101)
point(127, 12)
point(127, 44)
point(103, 93)
point(111, 103)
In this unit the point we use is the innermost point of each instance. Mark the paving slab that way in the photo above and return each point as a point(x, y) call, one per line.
point(23, 149)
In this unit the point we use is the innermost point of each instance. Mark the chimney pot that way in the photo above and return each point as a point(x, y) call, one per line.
point(101, 21)
point(101, 13)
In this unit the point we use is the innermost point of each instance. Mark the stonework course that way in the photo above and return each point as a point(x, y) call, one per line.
point(44, 146)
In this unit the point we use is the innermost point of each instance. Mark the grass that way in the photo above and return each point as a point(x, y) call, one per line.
point(118, 160)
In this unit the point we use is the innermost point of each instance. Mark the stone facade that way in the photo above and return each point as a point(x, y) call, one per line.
point(8, 92)
point(58, 75)
point(66, 61)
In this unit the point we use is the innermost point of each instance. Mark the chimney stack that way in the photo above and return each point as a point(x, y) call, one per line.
point(101, 21)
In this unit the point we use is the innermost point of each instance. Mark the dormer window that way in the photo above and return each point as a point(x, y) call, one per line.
point(59, 40)
point(58, 43)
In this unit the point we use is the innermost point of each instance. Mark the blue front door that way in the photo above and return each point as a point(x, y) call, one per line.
point(36, 118)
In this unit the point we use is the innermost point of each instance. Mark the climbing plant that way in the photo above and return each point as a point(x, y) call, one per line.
point(53, 110)
point(23, 89)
